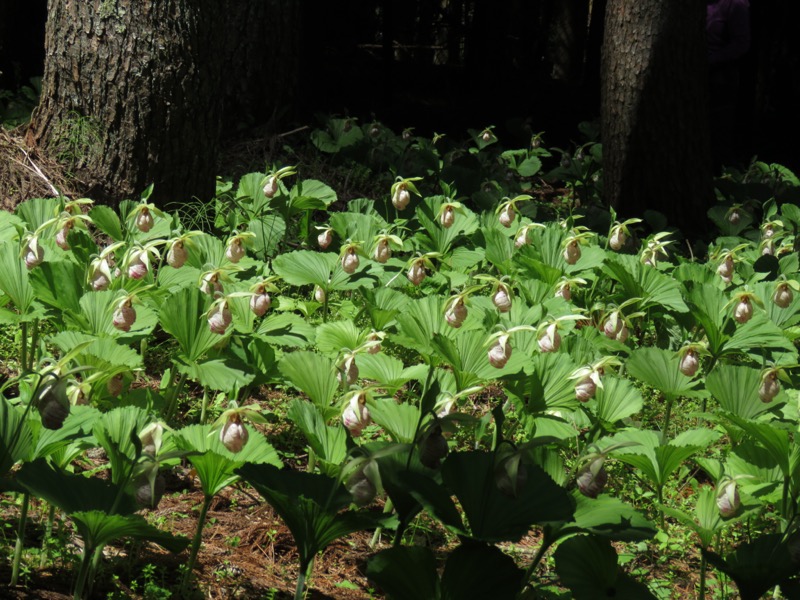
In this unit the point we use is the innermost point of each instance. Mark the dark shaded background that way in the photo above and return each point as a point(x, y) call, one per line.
point(472, 64)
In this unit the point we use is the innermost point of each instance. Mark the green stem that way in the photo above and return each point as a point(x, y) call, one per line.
point(83, 573)
point(387, 508)
point(703, 568)
point(23, 349)
point(204, 406)
point(301, 586)
point(667, 415)
point(537, 558)
point(34, 343)
point(48, 533)
point(785, 504)
point(312, 461)
point(23, 521)
point(173, 400)
point(198, 538)
point(305, 572)
point(660, 494)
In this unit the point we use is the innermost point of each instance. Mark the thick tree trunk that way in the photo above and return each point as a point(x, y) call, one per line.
point(656, 150)
point(131, 95)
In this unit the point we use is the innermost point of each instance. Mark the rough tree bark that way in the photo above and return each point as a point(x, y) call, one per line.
point(131, 95)
point(656, 150)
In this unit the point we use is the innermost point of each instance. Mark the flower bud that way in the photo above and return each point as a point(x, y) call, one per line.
point(572, 253)
point(521, 239)
point(550, 340)
point(271, 187)
point(147, 495)
point(144, 220)
point(585, 389)
point(382, 252)
point(356, 414)
point(728, 500)
point(361, 488)
point(115, 385)
point(401, 197)
point(350, 261)
point(349, 370)
point(53, 403)
point(234, 434)
point(592, 478)
point(219, 320)
point(564, 292)
point(61, 237)
point(416, 273)
point(375, 348)
point(235, 250)
point(100, 281)
point(499, 353)
point(177, 255)
point(324, 239)
point(34, 255)
point(507, 215)
point(617, 239)
point(210, 284)
point(124, 317)
point(260, 303)
point(448, 217)
point(456, 313)
point(744, 311)
point(319, 295)
point(690, 363)
point(502, 299)
point(137, 269)
point(433, 448)
point(769, 388)
point(783, 296)
point(725, 269)
point(734, 216)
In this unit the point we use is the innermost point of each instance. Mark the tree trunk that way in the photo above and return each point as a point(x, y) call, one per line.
point(655, 132)
point(131, 95)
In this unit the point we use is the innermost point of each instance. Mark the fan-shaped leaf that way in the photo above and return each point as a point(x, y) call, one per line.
point(661, 370)
point(617, 400)
point(312, 374)
point(736, 389)
point(183, 317)
point(587, 565)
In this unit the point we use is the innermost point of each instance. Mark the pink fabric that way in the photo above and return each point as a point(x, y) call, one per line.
point(728, 30)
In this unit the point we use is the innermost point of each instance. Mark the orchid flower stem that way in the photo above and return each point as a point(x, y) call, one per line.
point(387, 508)
point(546, 543)
point(83, 573)
point(667, 415)
point(23, 350)
point(34, 343)
point(173, 401)
point(48, 533)
point(204, 406)
point(23, 521)
point(300, 592)
point(196, 541)
point(703, 567)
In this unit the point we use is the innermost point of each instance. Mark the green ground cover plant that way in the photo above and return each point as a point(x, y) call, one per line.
point(481, 349)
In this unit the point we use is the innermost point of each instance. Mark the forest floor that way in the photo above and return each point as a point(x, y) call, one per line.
point(247, 551)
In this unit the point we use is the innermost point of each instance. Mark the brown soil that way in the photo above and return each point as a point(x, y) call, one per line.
point(26, 172)
point(247, 552)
